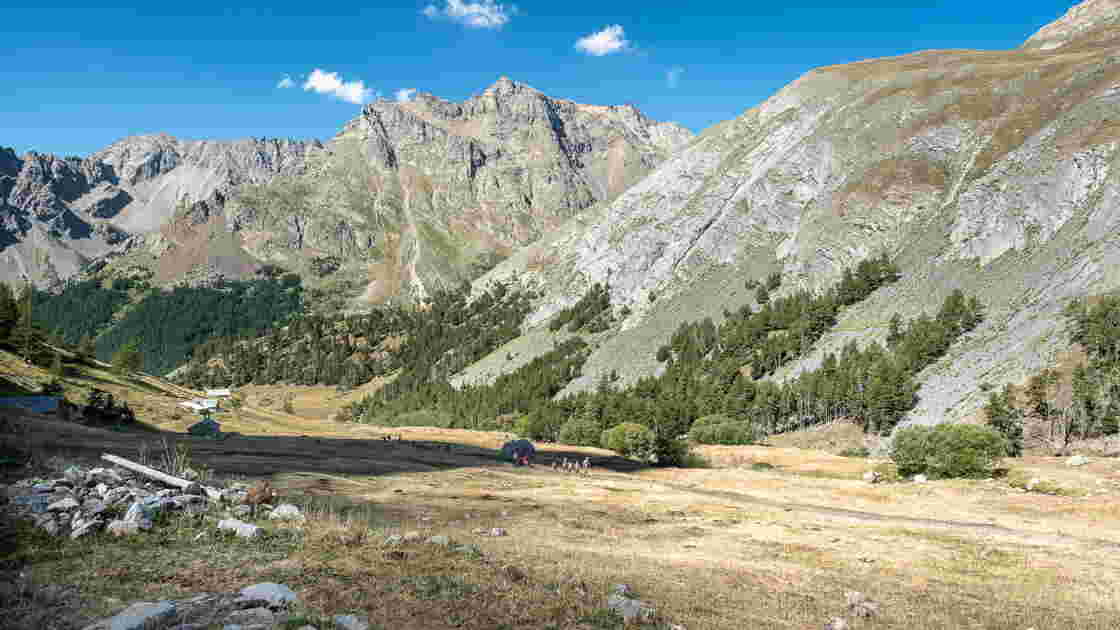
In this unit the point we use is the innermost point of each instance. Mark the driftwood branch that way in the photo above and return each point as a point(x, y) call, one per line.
point(170, 480)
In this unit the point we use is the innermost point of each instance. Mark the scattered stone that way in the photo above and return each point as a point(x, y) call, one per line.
point(860, 606)
point(64, 505)
point(277, 595)
point(624, 602)
point(837, 623)
point(80, 527)
point(138, 616)
point(1077, 460)
point(250, 617)
point(123, 528)
point(351, 622)
point(241, 528)
point(498, 531)
point(443, 541)
point(286, 512)
point(412, 537)
point(394, 539)
point(1033, 482)
point(919, 479)
point(514, 574)
point(872, 476)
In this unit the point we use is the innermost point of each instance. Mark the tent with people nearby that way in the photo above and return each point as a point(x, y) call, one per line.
point(520, 452)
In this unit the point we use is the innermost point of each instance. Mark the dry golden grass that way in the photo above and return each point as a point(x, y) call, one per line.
point(723, 547)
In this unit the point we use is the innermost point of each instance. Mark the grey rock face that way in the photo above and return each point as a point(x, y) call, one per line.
point(429, 187)
point(944, 160)
point(76, 209)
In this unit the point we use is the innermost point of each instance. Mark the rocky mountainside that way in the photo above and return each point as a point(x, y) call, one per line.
point(411, 195)
point(406, 195)
point(989, 171)
point(58, 214)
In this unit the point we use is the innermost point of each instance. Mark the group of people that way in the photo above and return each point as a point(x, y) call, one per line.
point(572, 465)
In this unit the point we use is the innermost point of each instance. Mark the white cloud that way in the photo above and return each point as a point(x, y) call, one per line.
point(286, 82)
point(329, 83)
point(610, 40)
point(673, 76)
point(482, 14)
point(405, 95)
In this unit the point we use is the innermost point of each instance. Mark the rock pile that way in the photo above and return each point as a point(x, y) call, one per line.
point(264, 606)
point(83, 501)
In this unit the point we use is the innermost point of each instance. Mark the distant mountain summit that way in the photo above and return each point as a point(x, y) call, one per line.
point(409, 195)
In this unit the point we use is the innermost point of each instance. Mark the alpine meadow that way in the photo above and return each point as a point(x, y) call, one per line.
point(649, 347)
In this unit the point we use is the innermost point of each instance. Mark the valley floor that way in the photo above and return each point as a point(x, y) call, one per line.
point(738, 545)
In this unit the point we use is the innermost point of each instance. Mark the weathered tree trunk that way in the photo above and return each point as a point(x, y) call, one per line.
point(170, 480)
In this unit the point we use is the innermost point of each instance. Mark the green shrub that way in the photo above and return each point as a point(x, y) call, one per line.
point(423, 418)
point(630, 439)
point(580, 432)
point(855, 451)
point(948, 451)
point(523, 427)
point(721, 429)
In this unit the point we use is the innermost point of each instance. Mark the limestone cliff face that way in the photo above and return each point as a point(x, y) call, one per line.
point(417, 194)
point(56, 215)
point(995, 172)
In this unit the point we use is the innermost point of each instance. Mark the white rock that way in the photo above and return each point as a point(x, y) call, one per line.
point(351, 622)
point(286, 512)
point(141, 615)
point(275, 594)
point(241, 528)
point(1077, 460)
point(63, 505)
point(920, 479)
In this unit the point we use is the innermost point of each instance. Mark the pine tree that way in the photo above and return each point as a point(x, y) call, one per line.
point(1005, 418)
point(9, 313)
point(128, 358)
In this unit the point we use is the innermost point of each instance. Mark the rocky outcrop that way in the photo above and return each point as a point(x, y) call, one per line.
point(423, 190)
point(408, 195)
point(993, 172)
point(57, 214)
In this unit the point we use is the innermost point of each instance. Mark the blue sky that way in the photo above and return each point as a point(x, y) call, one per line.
point(74, 78)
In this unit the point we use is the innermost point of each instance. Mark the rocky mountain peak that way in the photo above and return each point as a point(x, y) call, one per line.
point(1093, 20)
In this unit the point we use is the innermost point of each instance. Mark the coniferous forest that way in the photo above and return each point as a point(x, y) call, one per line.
point(165, 325)
point(717, 385)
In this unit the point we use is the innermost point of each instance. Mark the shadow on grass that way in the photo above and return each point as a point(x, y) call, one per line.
point(261, 456)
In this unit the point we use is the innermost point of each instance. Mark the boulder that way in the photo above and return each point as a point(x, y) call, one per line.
point(138, 616)
point(351, 622)
point(286, 512)
point(241, 528)
point(277, 595)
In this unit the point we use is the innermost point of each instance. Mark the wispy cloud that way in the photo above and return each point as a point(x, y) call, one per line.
point(610, 40)
point(286, 82)
point(673, 76)
point(329, 83)
point(482, 14)
point(405, 95)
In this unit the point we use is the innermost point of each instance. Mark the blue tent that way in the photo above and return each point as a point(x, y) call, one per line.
point(514, 450)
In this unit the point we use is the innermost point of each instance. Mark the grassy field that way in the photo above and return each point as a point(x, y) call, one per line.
point(767, 537)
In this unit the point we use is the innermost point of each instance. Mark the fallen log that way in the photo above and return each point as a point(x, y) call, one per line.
point(170, 480)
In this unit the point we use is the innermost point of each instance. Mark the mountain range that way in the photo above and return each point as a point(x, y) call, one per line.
point(991, 172)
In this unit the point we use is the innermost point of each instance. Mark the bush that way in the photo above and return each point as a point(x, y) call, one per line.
point(948, 451)
point(423, 418)
point(630, 439)
point(580, 432)
point(721, 429)
point(523, 427)
point(855, 451)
